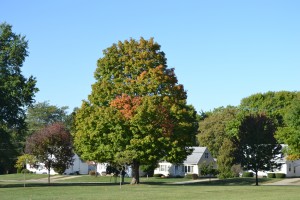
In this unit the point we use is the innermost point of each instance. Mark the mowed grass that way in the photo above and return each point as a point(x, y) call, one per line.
point(20, 176)
point(86, 187)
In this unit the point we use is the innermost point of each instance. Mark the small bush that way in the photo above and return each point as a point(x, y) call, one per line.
point(158, 175)
point(26, 171)
point(92, 172)
point(236, 170)
point(279, 175)
point(192, 176)
point(247, 174)
point(19, 170)
point(271, 175)
point(195, 176)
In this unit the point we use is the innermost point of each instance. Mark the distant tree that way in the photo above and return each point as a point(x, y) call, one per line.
point(290, 134)
point(212, 129)
point(275, 104)
point(213, 134)
point(226, 159)
point(258, 147)
point(137, 111)
point(52, 145)
point(43, 114)
point(16, 93)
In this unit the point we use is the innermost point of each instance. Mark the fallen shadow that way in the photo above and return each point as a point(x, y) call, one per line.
point(16, 185)
point(219, 182)
point(223, 182)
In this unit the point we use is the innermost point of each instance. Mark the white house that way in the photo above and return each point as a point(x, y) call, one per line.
point(191, 165)
point(78, 167)
point(289, 168)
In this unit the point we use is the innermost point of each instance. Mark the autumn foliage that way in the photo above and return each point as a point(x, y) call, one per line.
point(52, 145)
point(137, 112)
point(126, 104)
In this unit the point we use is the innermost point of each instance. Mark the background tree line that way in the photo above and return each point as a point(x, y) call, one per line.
point(250, 133)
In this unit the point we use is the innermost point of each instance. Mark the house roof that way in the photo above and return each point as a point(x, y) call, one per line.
point(195, 157)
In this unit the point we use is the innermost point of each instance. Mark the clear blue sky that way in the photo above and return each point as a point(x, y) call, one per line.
point(222, 50)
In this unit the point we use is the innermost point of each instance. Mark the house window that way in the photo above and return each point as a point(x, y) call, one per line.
point(163, 168)
point(206, 155)
point(188, 169)
point(294, 169)
point(290, 167)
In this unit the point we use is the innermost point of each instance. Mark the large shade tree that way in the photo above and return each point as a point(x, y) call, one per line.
point(258, 148)
point(52, 146)
point(16, 94)
point(137, 112)
point(214, 135)
point(212, 128)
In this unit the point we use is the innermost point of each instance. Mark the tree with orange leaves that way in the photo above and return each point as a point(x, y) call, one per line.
point(137, 112)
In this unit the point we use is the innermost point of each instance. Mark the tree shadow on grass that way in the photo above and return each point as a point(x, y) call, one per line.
point(17, 185)
point(223, 182)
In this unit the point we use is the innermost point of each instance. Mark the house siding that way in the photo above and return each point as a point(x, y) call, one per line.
point(78, 166)
point(191, 165)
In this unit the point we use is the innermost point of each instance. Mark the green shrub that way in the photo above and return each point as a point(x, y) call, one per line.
point(19, 170)
point(192, 176)
point(158, 175)
point(195, 176)
point(26, 171)
point(279, 175)
point(247, 174)
point(271, 175)
point(92, 173)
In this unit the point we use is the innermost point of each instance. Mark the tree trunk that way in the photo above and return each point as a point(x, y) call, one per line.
point(135, 173)
point(256, 178)
point(96, 173)
point(49, 176)
point(122, 178)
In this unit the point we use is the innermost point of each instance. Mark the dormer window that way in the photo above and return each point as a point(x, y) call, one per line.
point(205, 155)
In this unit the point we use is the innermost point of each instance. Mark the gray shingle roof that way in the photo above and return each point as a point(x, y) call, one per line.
point(195, 157)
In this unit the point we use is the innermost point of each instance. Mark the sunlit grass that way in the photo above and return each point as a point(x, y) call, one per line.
point(20, 176)
point(104, 187)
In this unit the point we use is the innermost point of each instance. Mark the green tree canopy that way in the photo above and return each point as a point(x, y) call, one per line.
point(290, 134)
point(16, 93)
point(25, 159)
point(213, 134)
point(258, 148)
point(212, 129)
point(43, 114)
point(137, 111)
point(275, 104)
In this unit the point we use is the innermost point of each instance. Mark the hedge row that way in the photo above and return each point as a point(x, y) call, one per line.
point(276, 175)
point(247, 174)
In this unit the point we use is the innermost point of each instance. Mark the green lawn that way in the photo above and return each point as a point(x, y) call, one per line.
point(20, 177)
point(86, 187)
